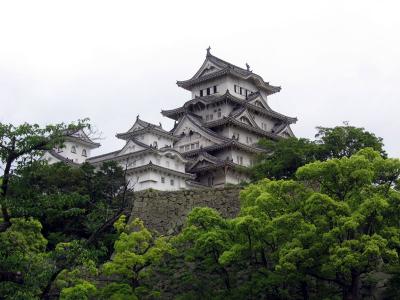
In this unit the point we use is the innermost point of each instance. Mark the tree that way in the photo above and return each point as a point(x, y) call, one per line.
point(322, 235)
point(285, 156)
point(22, 144)
point(137, 250)
point(23, 256)
point(345, 141)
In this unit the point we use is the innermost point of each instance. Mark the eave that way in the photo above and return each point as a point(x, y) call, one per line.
point(151, 166)
point(232, 121)
point(129, 135)
point(230, 144)
point(176, 113)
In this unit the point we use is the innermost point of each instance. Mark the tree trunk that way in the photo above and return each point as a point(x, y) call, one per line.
point(304, 290)
point(352, 292)
point(3, 194)
point(47, 289)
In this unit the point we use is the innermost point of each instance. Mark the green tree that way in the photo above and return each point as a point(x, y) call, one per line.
point(137, 250)
point(23, 256)
point(20, 145)
point(346, 140)
point(323, 235)
point(285, 156)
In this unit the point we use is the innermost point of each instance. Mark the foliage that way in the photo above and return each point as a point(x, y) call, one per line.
point(321, 234)
point(285, 156)
point(22, 251)
point(23, 144)
point(136, 251)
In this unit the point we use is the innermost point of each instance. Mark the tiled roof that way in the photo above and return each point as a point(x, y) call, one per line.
point(177, 112)
point(227, 68)
point(160, 168)
point(230, 120)
point(63, 159)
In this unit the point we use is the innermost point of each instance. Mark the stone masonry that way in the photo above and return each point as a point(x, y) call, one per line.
point(165, 212)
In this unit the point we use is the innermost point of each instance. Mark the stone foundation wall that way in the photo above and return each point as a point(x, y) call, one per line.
point(165, 212)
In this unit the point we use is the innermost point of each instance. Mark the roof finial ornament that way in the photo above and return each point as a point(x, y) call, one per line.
point(248, 67)
point(208, 50)
point(137, 117)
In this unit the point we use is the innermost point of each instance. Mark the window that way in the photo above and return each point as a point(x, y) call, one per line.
point(215, 89)
point(73, 149)
point(191, 146)
point(241, 89)
point(187, 148)
point(219, 113)
point(211, 116)
point(171, 182)
point(167, 163)
point(208, 91)
point(207, 118)
point(197, 145)
point(84, 153)
point(201, 93)
point(181, 148)
point(235, 88)
point(162, 179)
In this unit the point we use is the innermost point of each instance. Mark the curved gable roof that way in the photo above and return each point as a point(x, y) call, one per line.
point(221, 68)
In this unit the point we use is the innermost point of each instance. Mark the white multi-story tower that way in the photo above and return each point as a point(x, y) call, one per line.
point(218, 129)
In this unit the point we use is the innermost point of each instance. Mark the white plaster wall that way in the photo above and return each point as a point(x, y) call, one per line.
point(229, 131)
point(75, 157)
point(150, 138)
point(152, 179)
point(259, 119)
point(233, 154)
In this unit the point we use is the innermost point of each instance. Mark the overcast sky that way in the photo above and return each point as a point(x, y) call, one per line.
point(111, 60)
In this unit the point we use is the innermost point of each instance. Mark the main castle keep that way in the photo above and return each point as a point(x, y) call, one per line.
point(215, 133)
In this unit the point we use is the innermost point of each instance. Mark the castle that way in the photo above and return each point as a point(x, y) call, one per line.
point(214, 137)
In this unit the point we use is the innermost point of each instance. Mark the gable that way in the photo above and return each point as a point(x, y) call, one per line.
point(260, 102)
point(135, 127)
point(130, 147)
point(187, 127)
point(202, 162)
point(286, 132)
point(206, 68)
point(247, 118)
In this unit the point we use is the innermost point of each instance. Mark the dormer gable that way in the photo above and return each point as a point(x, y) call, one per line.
point(132, 146)
point(259, 101)
point(244, 116)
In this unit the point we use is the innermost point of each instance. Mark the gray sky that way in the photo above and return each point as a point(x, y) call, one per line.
point(111, 60)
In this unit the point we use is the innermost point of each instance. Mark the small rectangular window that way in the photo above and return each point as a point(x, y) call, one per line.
point(208, 91)
point(241, 89)
point(219, 114)
point(215, 89)
point(162, 179)
point(211, 116)
point(207, 118)
point(191, 146)
point(235, 88)
point(187, 147)
point(201, 93)
point(171, 182)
